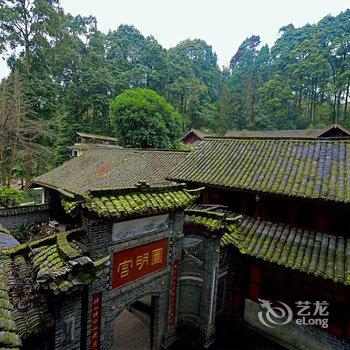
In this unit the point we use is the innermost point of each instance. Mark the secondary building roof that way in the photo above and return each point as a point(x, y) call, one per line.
point(195, 135)
point(316, 169)
point(320, 254)
point(96, 137)
point(83, 147)
point(332, 131)
point(112, 168)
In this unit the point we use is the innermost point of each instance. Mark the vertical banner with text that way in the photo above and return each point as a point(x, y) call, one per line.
point(96, 321)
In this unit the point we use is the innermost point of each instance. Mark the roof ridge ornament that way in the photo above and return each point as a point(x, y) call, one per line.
point(143, 186)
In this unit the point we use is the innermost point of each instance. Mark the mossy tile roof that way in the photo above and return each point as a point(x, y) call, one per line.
point(58, 264)
point(9, 338)
point(209, 223)
point(30, 311)
point(139, 203)
point(323, 255)
point(111, 168)
point(317, 169)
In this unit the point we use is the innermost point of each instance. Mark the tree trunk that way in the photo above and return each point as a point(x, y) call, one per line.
point(338, 107)
point(300, 98)
point(334, 113)
point(346, 100)
point(26, 38)
point(314, 100)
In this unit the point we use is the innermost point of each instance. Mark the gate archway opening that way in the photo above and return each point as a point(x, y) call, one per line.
point(134, 326)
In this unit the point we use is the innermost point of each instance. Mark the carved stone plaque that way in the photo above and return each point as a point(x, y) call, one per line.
point(132, 228)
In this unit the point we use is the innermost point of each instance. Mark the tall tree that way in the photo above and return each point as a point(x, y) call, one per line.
point(25, 23)
point(19, 135)
point(142, 118)
point(193, 80)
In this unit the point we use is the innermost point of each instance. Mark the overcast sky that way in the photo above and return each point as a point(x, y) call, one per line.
point(224, 24)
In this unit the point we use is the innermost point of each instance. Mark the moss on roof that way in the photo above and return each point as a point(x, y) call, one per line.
point(122, 204)
point(211, 218)
point(111, 168)
point(323, 255)
point(58, 264)
point(58, 261)
point(317, 169)
point(9, 338)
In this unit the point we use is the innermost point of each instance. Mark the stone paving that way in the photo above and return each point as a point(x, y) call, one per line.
point(130, 333)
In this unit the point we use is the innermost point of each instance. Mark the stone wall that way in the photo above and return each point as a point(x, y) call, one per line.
point(292, 335)
point(13, 218)
point(68, 324)
point(157, 285)
point(198, 283)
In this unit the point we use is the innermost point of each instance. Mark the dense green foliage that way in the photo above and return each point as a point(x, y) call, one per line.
point(70, 71)
point(302, 82)
point(10, 197)
point(143, 119)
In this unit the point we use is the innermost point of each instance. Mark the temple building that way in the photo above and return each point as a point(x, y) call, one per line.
point(164, 249)
point(292, 244)
point(194, 135)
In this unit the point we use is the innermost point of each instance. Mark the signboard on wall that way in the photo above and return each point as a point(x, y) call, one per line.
point(132, 228)
point(95, 321)
point(134, 263)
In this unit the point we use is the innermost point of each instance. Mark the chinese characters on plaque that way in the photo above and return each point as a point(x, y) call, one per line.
point(137, 262)
point(96, 321)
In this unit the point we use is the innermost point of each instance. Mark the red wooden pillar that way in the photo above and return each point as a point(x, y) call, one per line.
point(255, 282)
point(322, 219)
point(237, 299)
point(347, 336)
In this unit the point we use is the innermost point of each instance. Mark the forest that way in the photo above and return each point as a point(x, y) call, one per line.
point(65, 72)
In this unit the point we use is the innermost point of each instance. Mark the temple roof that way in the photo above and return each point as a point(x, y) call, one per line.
point(321, 254)
point(128, 203)
point(111, 168)
point(334, 130)
point(317, 169)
